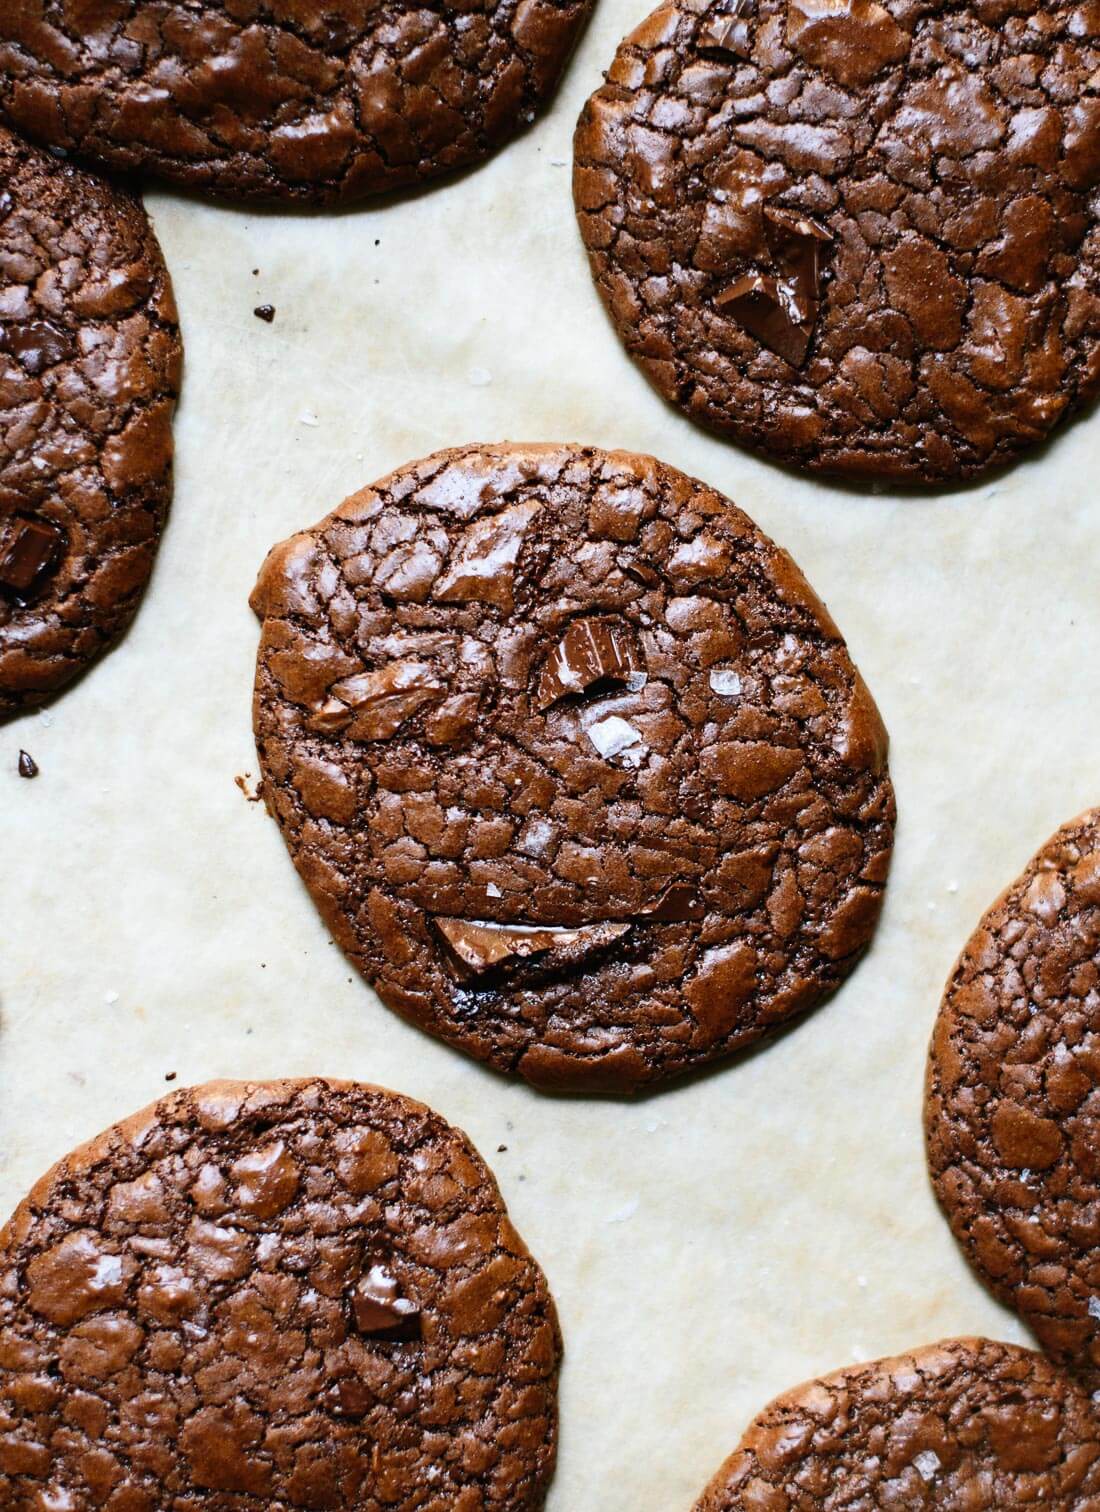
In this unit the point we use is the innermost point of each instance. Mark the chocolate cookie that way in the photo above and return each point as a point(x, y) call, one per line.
point(89, 371)
point(963, 1426)
point(318, 100)
point(274, 1295)
point(574, 763)
point(1013, 1096)
point(860, 237)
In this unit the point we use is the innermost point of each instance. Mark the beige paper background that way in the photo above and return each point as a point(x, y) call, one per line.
point(708, 1246)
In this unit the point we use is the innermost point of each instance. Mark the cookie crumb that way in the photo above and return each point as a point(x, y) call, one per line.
point(265, 312)
point(501, 1149)
point(28, 767)
point(169, 1076)
point(255, 794)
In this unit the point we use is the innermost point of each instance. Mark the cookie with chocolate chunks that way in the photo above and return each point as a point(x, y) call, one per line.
point(963, 1426)
point(1013, 1097)
point(858, 235)
point(315, 101)
point(89, 371)
point(575, 764)
point(274, 1295)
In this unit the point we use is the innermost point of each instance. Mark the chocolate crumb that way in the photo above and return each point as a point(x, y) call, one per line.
point(265, 312)
point(28, 767)
point(254, 795)
point(170, 1076)
point(501, 1149)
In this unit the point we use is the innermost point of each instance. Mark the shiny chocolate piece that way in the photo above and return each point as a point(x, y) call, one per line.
point(767, 309)
point(967, 1425)
point(1012, 1113)
point(478, 946)
point(592, 651)
point(376, 704)
point(728, 30)
point(316, 101)
point(676, 905)
point(798, 246)
point(622, 804)
point(89, 370)
point(938, 310)
point(200, 1309)
point(265, 312)
point(28, 767)
point(381, 1311)
point(29, 551)
point(36, 344)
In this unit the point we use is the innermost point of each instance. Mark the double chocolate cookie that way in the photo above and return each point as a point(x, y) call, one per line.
point(316, 100)
point(89, 371)
point(258, 1296)
point(859, 236)
point(1013, 1097)
point(576, 766)
point(963, 1426)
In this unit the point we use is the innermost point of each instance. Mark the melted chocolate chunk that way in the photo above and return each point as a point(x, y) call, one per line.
point(28, 767)
point(478, 946)
point(374, 705)
point(676, 905)
point(380, 1309)
point(798, 246)
point(31, 550)
point(36, 344)
point(767, 310)
point(728, 31)
point(591, 651)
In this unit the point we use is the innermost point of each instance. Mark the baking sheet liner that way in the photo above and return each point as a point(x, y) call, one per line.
point(710, 1245)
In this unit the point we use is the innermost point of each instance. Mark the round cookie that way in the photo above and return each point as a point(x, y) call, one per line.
point(858, 236)
point(274, 1295)
point(1013, 1096)
point(963, 1426)
point(89, 371)
point(575, 764)
point(316, 100)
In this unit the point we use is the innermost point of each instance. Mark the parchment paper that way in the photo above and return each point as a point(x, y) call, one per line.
point(708, 1246)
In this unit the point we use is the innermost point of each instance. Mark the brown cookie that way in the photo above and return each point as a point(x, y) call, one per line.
point(89, 372)
point(273, 1295)
point(1013, 1096)
point(575, 764)
point(315, 100)
point(962, 1426)
point(860, 237)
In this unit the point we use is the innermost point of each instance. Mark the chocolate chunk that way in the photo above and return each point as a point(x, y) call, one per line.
point(766, 309)
point(380, 1309)
point(28, 767)
point(798, 246)
point(591, 651)
point(728, 30)
point(265, 312)
point(677, 904)
point(31, 548)
point(376, 704)
point(35, 344)
point(479, 946)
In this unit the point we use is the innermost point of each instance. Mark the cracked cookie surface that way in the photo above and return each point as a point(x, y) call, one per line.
point(89, 371)
point(964, 1426)
point(859, 237)
point(1013, 1097)
point(314, 100)
point(266, 1296)
point(573, 761)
